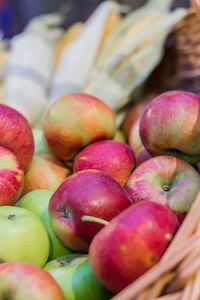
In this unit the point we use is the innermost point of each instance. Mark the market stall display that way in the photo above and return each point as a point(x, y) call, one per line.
point(100, 156)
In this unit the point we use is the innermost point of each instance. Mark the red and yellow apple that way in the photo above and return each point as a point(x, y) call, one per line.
point(112, 157)
point(11, 177)
point(141, 154)
point(133, 113)
point(167, 180)
point(16, 134)
point(44, 172)
point(20, 280)
point(131, 244)
point(75, 121)
point(85, 193)
point(171, 125)
point(134, 139)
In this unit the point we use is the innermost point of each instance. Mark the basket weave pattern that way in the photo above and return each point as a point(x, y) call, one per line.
point(187, 52)
point(180, 67)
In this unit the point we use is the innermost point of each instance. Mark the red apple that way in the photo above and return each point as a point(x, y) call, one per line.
point(44, 172)
point(75, 121)
point(16, 134)
point(11, 177)
point(109, 157)
point(88, 192)
point(167, 180)
point(20, 280)
point(171, 125)
point(131, 244)
point(135, 112)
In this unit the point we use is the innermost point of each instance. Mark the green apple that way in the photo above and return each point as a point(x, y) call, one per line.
point(37, 202)
point(23, 236)
point(74, 275)
point(39, 142)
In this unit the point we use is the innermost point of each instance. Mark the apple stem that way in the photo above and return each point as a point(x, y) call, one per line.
point(94, 219)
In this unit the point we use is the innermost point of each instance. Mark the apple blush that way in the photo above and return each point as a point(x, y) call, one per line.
point(112, 157)
point(20, 280)
point(167, 180)
point(16, 134)
point(86, 193)
point(11, 177)
point(44, 172)
point(75, 121)
point(131, 244)
point(170, 125)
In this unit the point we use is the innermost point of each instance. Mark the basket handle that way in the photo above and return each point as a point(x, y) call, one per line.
point(196, 5)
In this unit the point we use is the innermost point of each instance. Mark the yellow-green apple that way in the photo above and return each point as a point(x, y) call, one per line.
point(170, 125)
point(131, 244)
point(16, 134)
point(135, 142)
point(39, 142)
point(23, 236)
point(107, 156)
point(44, 172)
point(167, 180)
point(37, 202)
point(75, 121)
point(25, 281)
point(74, 275)
point(85, 193)
point(119, 136)
point(11, 177)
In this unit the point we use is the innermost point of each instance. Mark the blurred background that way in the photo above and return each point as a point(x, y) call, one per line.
point(15, 14)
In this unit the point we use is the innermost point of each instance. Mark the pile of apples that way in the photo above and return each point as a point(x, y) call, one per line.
point(83, 214)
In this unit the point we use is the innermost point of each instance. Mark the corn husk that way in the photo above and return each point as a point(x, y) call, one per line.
point(70, 35)
point(30, 66)
point(77, 61)
point(129, 21)
point(4, 55)
point(132, 52)
point(112, 21)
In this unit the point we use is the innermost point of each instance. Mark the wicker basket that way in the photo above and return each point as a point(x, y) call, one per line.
point(180, 67)
point(177, 275)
